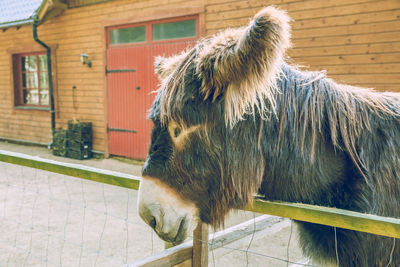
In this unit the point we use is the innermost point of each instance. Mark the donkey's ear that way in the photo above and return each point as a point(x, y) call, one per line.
point(165, 66)
point(243, 64)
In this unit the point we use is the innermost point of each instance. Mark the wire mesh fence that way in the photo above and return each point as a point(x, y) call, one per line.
point(49, 219)
point(275, 245)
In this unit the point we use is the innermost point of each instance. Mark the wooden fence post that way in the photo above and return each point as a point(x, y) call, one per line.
point(200, 246)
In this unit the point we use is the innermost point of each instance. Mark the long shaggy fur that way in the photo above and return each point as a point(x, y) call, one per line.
point(335, 145)
point(291, 135)
point(310, 99)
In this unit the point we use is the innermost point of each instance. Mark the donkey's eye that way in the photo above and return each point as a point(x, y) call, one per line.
point(177, 132)
point(174, 129)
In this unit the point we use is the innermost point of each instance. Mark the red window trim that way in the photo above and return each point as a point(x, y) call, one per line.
point(18, 102)
point(149, 34)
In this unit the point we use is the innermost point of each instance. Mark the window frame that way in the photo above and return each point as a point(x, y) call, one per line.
point(27, 49)
point(149, 31)
point(18, 87)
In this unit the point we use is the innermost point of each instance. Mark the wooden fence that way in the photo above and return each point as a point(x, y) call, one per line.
point(196, 253)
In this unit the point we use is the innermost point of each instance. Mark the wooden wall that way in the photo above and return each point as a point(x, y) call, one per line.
point(356, 41)
point(29, 125)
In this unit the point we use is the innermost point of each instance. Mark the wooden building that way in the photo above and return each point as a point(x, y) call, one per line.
point(356, 41)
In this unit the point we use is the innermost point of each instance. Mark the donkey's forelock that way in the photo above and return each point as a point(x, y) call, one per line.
point(241, 64)
point(171, 95)
point(163, 67)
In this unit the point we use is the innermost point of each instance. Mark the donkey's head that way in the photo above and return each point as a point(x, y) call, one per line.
point(204, 157)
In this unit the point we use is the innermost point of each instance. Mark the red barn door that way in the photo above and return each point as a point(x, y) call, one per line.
point(131, 80)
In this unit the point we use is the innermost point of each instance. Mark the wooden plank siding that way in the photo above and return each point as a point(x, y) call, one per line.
point(356, 41)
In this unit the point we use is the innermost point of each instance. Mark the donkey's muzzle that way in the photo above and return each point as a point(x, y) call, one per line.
point(166, 229)
point(165, 211)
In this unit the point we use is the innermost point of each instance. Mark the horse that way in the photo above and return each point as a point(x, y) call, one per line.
point(232, 118)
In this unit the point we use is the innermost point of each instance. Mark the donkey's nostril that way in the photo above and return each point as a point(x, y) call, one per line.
point(153, 223)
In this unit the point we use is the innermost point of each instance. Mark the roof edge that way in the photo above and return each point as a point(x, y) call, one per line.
point(46, 10)
point(17, 23)
point(50, 9)
point(36, 13)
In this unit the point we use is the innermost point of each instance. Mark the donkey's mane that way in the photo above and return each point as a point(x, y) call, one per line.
point(307, 103)
point(310, 102)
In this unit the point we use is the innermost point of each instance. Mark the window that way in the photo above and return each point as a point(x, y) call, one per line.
point(31, 80)
point(128, 35)
point(174, 30)
point(155, 31)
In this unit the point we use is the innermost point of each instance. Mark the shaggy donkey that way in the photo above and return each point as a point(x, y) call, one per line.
point(232, 119)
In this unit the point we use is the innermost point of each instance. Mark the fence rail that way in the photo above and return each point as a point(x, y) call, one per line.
point(315, 214)
point(346, 219)
point(75, 170)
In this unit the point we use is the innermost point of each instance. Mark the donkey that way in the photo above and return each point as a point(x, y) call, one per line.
point(232, 119)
